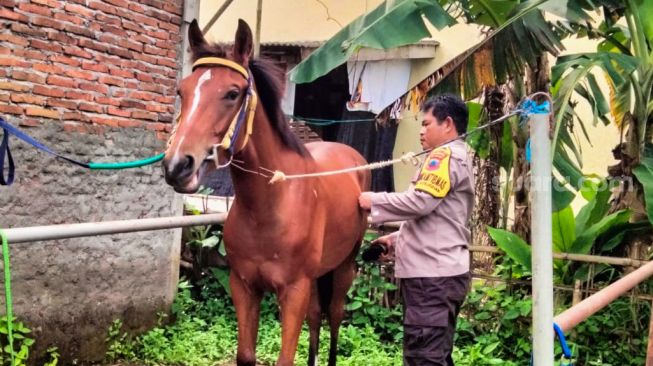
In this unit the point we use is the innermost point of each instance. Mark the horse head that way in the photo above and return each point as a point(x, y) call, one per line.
point(217, 107)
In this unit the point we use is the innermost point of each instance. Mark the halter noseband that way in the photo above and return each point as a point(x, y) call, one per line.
point(247, 109)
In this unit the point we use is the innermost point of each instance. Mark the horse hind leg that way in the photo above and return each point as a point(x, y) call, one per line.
point(314, 319)
point(343, 276)
point(320, 299)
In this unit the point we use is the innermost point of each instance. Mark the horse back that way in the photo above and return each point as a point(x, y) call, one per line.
point(334, 156)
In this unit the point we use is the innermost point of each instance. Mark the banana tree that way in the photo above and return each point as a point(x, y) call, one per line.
point(522, 37)
point(624, 57)
point(515, 67)
point(592, 231)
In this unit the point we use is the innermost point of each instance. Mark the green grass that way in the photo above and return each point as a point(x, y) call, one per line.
point(493, 329)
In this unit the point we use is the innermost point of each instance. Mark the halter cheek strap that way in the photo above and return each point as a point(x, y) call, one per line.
point(247, 109)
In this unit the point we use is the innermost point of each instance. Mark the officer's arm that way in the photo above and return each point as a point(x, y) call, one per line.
point(415, 202)
point(402, 206)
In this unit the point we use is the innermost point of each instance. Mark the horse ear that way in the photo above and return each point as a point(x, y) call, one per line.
point(195, 36)
point(243, 43)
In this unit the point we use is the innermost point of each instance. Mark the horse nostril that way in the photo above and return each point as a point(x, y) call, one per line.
point(188, 163)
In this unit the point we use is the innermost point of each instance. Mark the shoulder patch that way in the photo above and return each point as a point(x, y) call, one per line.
point(434, 178)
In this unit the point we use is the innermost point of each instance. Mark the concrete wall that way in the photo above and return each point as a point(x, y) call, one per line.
point(284, 20)
point(453, 42)
point(95, 80)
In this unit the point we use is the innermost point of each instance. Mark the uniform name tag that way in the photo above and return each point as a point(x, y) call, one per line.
point(434, 177)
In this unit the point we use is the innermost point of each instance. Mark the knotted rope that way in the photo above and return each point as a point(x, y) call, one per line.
point(407, 158)
point(410, 157)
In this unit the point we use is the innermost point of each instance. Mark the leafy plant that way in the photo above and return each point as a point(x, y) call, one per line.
point(495, 324)
point(592, 230)
point(53, 355)
point(623, 320)
point(119, 345)
point(365, 301)
point(21, 342)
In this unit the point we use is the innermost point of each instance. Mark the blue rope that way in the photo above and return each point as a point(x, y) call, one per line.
point(7, 160)
point(527, 108)
point(530, 106)
point(242, 114)
point(5, 152)
point(563, 342)
point(566, 351)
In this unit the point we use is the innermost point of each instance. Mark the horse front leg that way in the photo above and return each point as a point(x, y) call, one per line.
point(293, 300)
point(247, 302)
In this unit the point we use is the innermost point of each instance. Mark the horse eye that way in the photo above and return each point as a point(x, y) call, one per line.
point(232, 95)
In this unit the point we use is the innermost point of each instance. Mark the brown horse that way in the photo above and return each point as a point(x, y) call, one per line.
point(296, 238)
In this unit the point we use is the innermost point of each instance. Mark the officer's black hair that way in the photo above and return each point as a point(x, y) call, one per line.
point(448, 105)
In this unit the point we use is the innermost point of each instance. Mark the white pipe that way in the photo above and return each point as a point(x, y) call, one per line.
point(191, 11)
point(541, 239)
point(571, 317)
point(54, 232)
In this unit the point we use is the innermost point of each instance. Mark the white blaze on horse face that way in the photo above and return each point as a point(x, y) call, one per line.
point(205, 77)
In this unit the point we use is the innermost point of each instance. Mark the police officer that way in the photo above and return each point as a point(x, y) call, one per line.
point(431, 247)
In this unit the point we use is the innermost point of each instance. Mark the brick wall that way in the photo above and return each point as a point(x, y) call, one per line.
point(94, 80)
point(90, 63)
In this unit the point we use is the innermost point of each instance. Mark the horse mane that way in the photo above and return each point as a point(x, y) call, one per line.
point(270, 82)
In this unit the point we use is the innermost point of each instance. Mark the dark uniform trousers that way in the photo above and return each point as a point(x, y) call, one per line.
point(431, 306)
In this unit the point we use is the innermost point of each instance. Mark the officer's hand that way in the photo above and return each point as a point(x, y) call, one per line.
point(365, 200)
point(389, 252)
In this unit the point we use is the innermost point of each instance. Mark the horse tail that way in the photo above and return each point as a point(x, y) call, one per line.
point(325, 291)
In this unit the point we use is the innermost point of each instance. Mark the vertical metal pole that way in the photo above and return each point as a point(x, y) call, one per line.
point(257, 39)
point(191, 11)
point(541, 239)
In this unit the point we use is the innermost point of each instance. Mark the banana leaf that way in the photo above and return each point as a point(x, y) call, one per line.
point(514, 246)
point(401, 25)
point(644, 174)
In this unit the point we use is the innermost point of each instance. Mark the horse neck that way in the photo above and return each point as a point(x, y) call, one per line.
point(264, 150)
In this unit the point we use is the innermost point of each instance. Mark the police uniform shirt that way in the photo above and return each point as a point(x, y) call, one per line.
point(433, 241)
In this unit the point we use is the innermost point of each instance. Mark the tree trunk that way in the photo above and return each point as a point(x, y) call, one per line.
point(629, 193)
point(537, 80)
point(487, 207)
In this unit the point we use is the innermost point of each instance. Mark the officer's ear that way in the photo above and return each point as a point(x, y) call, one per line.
point(449, 125)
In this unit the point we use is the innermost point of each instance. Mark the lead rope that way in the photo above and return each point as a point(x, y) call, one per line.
point(409, 157)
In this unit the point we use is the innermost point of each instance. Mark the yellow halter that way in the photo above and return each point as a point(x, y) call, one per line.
point(246, 112)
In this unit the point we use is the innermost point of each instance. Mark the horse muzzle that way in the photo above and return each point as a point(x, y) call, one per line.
point(181, 173)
